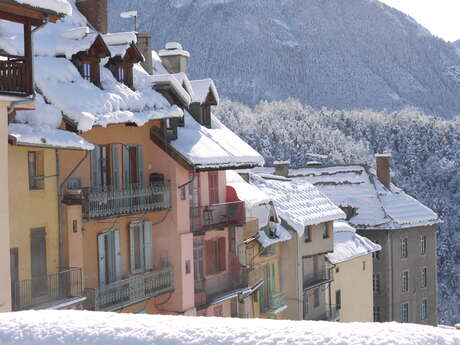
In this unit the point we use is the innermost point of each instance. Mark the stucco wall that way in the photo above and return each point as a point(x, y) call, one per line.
point(354, 280)
point(5, 284)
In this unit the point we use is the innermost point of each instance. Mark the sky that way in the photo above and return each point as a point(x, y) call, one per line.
point(441, 17)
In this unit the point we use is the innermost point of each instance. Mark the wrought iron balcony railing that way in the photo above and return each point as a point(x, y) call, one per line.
point(15, 76)
point(128, 291)
point(273, 303)
point(211, 217)
point(42, 291)
point(318, 278)
point(108, 202)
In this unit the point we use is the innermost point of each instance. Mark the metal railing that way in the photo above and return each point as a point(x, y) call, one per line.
point(317, 278)
point(128, 291)
point(15, 76)
point(273, 302)
point(29, 293)
point(108, 202)
point(219, 284)
point(217, 216)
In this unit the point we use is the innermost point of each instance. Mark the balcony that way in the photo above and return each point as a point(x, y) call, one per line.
point(220, 286)
point(273, 304)
point(107, 202)
point(217, 216)
point(15, 76)
point(316, 279)
point(53, 291)
point(129, 291)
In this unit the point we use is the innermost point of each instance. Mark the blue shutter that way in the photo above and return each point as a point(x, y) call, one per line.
point(148, 246)
point(101, 258)
point(96, 167)
point(115, 166)
point(132, 228)
point(125, 165)
point(117, 255)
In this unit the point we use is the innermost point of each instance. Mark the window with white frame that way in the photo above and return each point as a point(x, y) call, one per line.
point(405, 312)
point(404, 251)
point(405, 281)
point(109, 257)
point(422, 245)
point(325, 230)
point(140, 239)
point(423, 277)
point(424, 309)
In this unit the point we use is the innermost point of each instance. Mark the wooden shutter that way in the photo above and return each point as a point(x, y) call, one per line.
point(222, 254)
point(38, 252)
point(213, 180)
point(115, 166)
point(96, 167)
point(117, 255)
point(132, 262)
point(102, 258)
point(140, 165)
point(148, 246)
point(209, 257)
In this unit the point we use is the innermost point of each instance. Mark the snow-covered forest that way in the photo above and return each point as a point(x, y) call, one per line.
point(426, 160)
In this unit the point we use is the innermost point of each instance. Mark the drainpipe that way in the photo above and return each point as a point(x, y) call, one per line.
point(391, 297)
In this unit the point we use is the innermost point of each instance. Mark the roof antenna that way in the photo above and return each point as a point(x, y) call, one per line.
point(130, 14)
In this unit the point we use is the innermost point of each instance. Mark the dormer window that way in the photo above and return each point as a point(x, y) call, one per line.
point(86, 71)
point(206, 116)
point(121, 75)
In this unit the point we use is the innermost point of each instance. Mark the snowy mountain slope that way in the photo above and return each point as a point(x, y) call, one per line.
point(339, 54)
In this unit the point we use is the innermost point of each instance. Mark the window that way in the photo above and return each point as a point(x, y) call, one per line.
point(36, 168)
point(422, 245)
point(405, 281)
point(338, 300)
point(198, 263)
point(337, 269)
point(423, 277)
point(404, 248)
point(105, 166)
point(405, 312)
point(206, 113)
point(307, 234)
point(215, 251)
point(325, 230)
point(74, 225)
point(109, 257)
point(376, 255)
point(364, 265)
point(188, 267)
point(213, 180)
point(86, 71)
point(140, 239)
point(424, 309)
point(267, 290)
point(305, 305)
point(376, 283)
point(121, 74)
point(133, 164)
point(170, 129)
point(316, 301)
point(377, 314)
point(194, 191)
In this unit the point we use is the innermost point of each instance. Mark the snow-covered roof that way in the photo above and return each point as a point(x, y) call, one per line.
point(348, 245)
point(81, 102)
point(298, 204)
point(176, 83)
point(172, 49)
point(281, 235)
point(119, 42)
point(201, 90)
point(58, 6)
point(73, 327)
point(376, 207)
point(213, 148)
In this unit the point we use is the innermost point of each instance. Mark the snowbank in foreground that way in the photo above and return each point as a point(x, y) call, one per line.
point(92, 328)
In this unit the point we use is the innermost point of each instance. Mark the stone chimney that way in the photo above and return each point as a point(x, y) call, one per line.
point(174, 58)
point(383, 163)
point(144, 44)
point(281, 168)
point(96, 13)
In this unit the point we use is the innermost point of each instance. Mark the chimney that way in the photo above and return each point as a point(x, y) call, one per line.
point(281, 168)
point(95, 12)
point(174, 58)
point(383, 162)
point(144, 44)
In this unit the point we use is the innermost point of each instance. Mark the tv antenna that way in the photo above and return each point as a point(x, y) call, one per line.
point(128, 15)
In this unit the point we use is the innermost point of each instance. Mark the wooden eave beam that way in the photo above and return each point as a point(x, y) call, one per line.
point(21, 14)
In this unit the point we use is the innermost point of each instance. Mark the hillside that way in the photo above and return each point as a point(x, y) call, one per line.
point(339, 54)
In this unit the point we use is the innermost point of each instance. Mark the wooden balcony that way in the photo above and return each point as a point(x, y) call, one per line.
point(129, 291)
point(108, 202)
point(15, 76)
point(217, 216)
point(316, 279)
point(50, 291)
point(274, 303)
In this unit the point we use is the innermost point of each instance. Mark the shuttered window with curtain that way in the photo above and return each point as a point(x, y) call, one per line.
point(140, 236)
point(215, 253)
point(133, 165)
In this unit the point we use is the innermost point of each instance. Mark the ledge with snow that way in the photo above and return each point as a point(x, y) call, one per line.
point(95, 328)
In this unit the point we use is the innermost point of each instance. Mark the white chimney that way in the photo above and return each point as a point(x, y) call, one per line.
point(174, 58)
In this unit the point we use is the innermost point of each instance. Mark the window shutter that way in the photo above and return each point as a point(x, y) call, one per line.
point(117, 255)
point(132, 228)
point(101, 253)
point(115, 166)
point(148, 245)
point(140, 165)
point(222, 254)
point(96, 167)
point(125, 165)
point(209, 259)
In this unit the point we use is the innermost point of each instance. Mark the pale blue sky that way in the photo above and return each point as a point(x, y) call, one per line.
point(441, 17)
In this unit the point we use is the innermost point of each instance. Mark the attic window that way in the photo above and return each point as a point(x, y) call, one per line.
point(86, 71)
point(350, 212)
point(121, 74)
point(206, 116)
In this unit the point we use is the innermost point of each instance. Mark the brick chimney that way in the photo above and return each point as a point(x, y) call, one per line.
point(281, 168)
point(174, 58)
point(383, 163)
point(96, 13)
point(144, 44)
